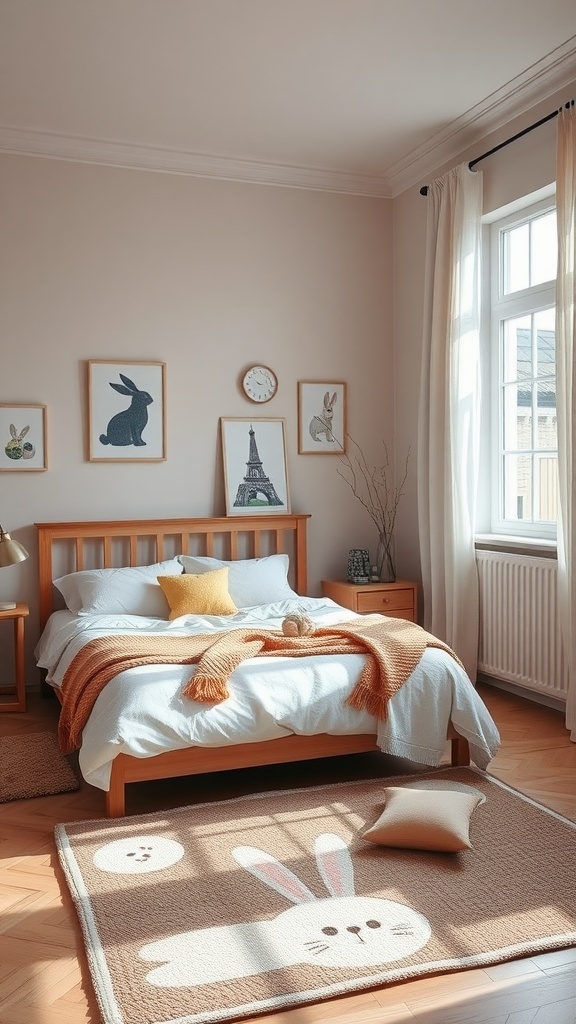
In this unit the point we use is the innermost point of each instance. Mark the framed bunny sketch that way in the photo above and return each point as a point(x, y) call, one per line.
point(126, 411)
point(24, 445)
point(321, 417)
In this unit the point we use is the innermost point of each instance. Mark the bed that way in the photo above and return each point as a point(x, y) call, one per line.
point(120, 746)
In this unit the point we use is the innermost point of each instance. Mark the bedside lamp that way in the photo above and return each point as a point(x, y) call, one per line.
point(11, 552)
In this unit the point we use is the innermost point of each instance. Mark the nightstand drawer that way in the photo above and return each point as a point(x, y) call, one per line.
point(387, 602)
point(397, 599)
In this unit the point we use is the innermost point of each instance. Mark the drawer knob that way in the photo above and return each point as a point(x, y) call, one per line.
point(385, 600)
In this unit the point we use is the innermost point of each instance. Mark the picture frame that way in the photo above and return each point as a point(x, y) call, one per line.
point(126, 411)
point(255, 467)
point(23, 437)
point(321, 417)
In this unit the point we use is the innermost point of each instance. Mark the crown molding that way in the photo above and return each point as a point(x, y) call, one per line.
point(551, 74)
point(554, 72)
point(29, 142)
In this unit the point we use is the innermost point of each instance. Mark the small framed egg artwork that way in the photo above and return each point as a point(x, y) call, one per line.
point(23, 439)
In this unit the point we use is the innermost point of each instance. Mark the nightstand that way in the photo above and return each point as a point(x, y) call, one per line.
point(17, 615)
point(397, 599)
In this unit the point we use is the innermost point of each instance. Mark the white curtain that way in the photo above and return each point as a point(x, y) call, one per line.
point(448, 430)
point(566, 392)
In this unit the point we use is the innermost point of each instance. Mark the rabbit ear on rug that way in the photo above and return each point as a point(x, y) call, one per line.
point(335, 865)
point(274, 874)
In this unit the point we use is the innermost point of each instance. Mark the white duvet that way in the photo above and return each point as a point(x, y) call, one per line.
point(142, 711)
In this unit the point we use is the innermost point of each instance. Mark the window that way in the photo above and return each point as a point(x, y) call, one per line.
point(524, 445)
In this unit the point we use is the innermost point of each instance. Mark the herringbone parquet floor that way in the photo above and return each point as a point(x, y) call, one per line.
point(43, 972)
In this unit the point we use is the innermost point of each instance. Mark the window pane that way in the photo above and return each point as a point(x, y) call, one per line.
point(517, 348)
point(517, 417)
point(518, 487)
point(516, 243)
point(544, 248)
point(547, 489)
point(525, 433)
point(546, 433)
point(545, 326)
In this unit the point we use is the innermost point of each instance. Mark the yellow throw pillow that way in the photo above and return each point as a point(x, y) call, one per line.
point(202, 594)
point(424, 819)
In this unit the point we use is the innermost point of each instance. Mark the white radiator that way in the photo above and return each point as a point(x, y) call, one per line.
point(519, 627)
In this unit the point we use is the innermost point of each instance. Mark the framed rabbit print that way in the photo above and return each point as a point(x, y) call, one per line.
point(126, 411)
point(23, 441)
point(321, 417)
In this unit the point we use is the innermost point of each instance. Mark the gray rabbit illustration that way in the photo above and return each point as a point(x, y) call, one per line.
point(126, 427)
point(322, 424)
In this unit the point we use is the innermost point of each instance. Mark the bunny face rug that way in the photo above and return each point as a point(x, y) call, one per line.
point(139, 855)
point(228, 909)
point(342, 931)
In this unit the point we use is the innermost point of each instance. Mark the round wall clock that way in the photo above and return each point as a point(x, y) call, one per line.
point(259, 384)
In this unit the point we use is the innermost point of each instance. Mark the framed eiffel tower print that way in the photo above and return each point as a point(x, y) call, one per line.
point(255, 471)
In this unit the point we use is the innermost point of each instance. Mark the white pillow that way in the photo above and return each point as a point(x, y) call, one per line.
point(251, 581)
point(128, 591)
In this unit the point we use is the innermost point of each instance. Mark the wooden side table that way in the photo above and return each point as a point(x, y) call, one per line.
point(398, 599)
point(17, 615)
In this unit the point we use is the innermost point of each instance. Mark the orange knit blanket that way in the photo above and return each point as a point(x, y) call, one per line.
point(394, 648)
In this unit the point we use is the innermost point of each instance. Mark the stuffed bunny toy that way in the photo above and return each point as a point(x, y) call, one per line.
point(322, 424)
point(297, 625)
point(126, 427)
point(341, 930)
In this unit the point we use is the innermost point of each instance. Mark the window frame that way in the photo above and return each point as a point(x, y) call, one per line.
point(501, 307)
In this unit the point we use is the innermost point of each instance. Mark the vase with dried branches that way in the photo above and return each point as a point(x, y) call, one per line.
point(376, 490)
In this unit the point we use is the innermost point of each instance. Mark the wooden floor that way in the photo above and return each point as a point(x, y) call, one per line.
point(43, 973)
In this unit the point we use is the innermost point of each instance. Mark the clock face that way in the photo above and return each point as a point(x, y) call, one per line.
point(260, 384)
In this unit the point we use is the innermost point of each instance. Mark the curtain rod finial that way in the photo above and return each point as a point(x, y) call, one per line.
point(424, 190)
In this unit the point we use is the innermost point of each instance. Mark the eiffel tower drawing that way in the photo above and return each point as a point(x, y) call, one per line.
point(255, 482)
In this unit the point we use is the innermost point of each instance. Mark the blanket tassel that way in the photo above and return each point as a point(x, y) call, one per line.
point(206, 689)
point(363, 698)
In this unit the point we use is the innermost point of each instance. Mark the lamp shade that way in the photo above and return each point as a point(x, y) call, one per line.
point(11, 552)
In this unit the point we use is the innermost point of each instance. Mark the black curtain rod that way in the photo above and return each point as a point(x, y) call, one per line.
point(525, 131)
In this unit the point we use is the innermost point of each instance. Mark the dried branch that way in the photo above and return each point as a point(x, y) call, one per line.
point(374, 488)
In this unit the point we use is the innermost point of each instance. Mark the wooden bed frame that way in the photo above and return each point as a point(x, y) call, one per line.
point(70, 547)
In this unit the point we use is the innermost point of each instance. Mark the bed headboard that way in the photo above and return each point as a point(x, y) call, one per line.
point(70, 547)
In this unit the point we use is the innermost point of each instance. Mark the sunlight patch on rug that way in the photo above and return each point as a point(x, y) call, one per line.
point(220, 911)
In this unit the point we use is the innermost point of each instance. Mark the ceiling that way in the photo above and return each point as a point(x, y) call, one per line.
point(360, 96)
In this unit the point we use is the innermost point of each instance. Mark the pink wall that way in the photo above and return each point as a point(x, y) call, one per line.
point(208, 276)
